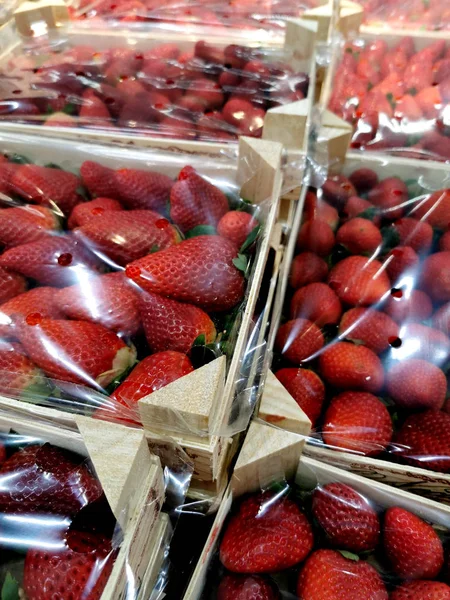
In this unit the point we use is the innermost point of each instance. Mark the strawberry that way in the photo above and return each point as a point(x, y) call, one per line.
point(369, 327)
point(444, 242)
point(441, 319)
point(143, 189)
point(435, 280)
point(316, 302)
point(24, 224)
point(396, 61)
point(316, 236)
point(319, 209)
point(359, 236)
point(424, 440)
point(47, 186)
point(75, 351)
point(358, 422)
point(348, 366)
point(126, 236)
point(268, 533)
point(7, 171)
point(99, 180)
point(11, 285)
point(401, 261)
point(84, 213)
point(417, 385)
point(93, 110)
point(407, 108)
point(411, 306)
point(358, 207)
point(195, 201)
point(306, 388)
point(420, 341)
point(363, 179)
point(17, 372)
point(411, 545)
point(327, 574)
point(392, 84)
point(391, 196)
point(441, 70)
point(108, 300)
point(347, 518)
point(416, 234)
point(299, 340)
point(80, 567)
point(337, 190)
point(236, 226)
point(40, 300)
point(359, 281)
point(241, 113)
point(58, 260)
point(418, 75)
point(207, 92)
point(435, 209)
point(46, 479)
point(376, 101)
point(199, 271)
point(430, 101)
point(421, 590)
point(246, 587)
point(306, 268)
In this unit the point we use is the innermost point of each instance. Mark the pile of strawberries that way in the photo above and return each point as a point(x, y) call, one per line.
point(412, 14)
point(331, 544)
point(365, 350)
point(147, 267)
point(54, 511)
point(395, 97)
point(207, 92)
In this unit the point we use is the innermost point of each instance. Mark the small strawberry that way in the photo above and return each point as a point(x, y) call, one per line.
point(306, 268)
point(11, 285)
point(24, 224)
point(411, 545)
point(359, 281)
point(246, 587)
point(358, 422)
point(347, 518)
point(421, 590)
point(359, 236)
point(195, 201)
point(99, 180)
point(417, 385)
point(40, 300)
point(198, 271)
point(267, 534)
point(316, 236)
point(401, 261)
point(363, 179)
point(416, 234)
point(369, 327)
point(75, 351)
point(435, 279)
point(139, 189)
point(349, 366)
point(328, 574)
point(86, 212)
point(299, 340)
point(337, 190)
point(444, 242)
point(391, 196)
point(435, 209)
point(306, 388)
point(358, 207)
point(236, 226)
point(423, 342)
point(318, 303)
point(93, 111)
point(413, 306)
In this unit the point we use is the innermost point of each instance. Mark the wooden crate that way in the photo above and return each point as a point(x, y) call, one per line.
point(133, 482)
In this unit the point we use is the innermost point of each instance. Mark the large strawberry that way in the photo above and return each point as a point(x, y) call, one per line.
point(417, 384)
point(40, 300)
point(84, 213)
point(306, 388)
point(75, 351)
point(370, 327)
point(267, 534)
point(435, 209)
point(246, 587)
point(124, 237)
point(348, 366)
point(173, 325)
point(195, 201)
point(306, 268)
point(327, 575)
point(46, 479)
point(24, 224)
point(421, 590)
point(17, 373)
point(316, 236)
point(359, 281)
point(99, 180)
point(318, 303)
point(139, 189)
point(56, 260)
point(199, 271)
point(110, 300)
point(11, 285)
point(436, 276)
point(359, 236)
point(47, 186)
point(299, 340)
point(412, 546)
point(347, 518)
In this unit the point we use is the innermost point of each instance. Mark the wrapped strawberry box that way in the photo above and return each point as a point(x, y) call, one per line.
point(411, 15)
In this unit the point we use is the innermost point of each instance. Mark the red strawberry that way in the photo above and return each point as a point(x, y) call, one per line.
point(266, 534)
point(126, 236)
point(99, 180)
point(319, 209)
point(24, 224)
point(444, 242)
point(49, 187)
point(435, 209)
point(348, 366)
point(208, 92)
point(299, 340)
point(84, 213)
point(413, 306)
point(421, 590)
point(430, 101)
point(40, 300)
point(363, 179)
point(411, 545)
point(80, 567)
point(418, 75)
point(420, 341)
point(46, 479)
point(143, 189)
point(306, 388)
point(358, 280)
point(436, 276)
point(392, 84)
point(318, 303)
point(396, 61)
point(306, 268)
point(199, 271)
point(424, 440)
point(416, 234)
point(327, 574)
point(359, 236)
point(7, 171)
point(401, 260)
point(75, 351)
point(54, 260)
point(93, 110)
point(357, 207)
point(337, 190)
point(11, 285)
point(109, 300)
point(347, 518)
point(316, 236)
point(359, 422)
point(417, 384)
point(241, 113)
point(236, 226)
point(195, 201)
point(390, 195)
point(376, 101)
point(441, 319)
point(17, 372)
point(408, 109)
point(250, 587)
point(369, 327)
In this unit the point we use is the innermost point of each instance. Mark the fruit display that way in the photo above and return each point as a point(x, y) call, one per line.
point(412, 14)
point(395, 95)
